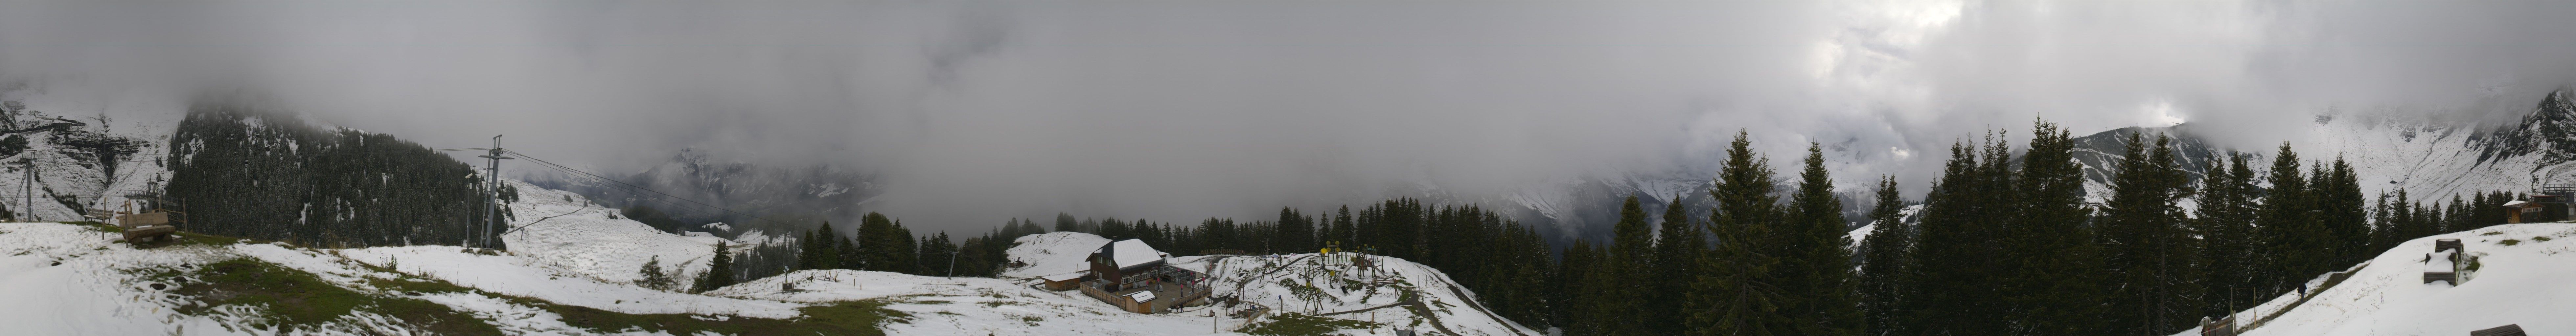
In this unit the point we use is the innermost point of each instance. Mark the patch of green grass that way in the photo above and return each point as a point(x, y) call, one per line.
point(292, 300)
point(842, 318)
point(2491, 233)
point(2540, 238)
point(183, 237)
point(1293, 324)
point(2510, 242)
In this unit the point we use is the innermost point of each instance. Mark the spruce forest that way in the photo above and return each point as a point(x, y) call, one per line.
point(2004, 244)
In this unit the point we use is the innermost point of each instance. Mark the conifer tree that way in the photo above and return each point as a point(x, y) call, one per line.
point(1568, 279)
point(2340, 201)
point(719, 271)
point(1614, 306)
point(1817, 263)
point(2226, 223)
point(2051, 270)
point(1952, 255)
point(1734, 294)
point(2294, 242)
point(2142, 231)
point(1678, 246)
point(654, 277)
point(1886, 255)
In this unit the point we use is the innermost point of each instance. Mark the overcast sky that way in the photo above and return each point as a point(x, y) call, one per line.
point(977, 111)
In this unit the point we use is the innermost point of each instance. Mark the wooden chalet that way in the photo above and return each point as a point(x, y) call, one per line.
point(1137, 278)
point(2513, 211)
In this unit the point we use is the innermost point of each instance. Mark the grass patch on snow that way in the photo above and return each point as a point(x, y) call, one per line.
point(183, 237)
point(842, 318)
point(291, 300)
point(1294, 324)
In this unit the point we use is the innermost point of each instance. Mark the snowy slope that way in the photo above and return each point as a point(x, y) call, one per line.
point(101, 287)
point(567, 232)
point(1296, 283)
point(70, 280)
point(1308, 288)
point(1050, 253)
point(83, 158)
point(2524, 283)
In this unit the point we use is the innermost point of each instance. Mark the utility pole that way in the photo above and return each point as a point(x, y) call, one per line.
point(952, 263)
point(27, 189)
point(492, 190)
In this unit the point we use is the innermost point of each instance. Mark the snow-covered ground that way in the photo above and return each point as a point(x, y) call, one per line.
point(1050, 253)
point(972, 306)
point(64, 279)
point(2523, 283)
point(565, 231)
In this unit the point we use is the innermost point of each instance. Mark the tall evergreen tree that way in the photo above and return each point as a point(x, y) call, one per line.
point(1886, 255)
point(719, 271)
point(2294, 241)
point(2226, 223)
point(1816, 266)
point(2052, 270)
point(1735, 293)
point(1953, 254)
point(2145, 237)
point(1613, 306)
point(2339, 199)
point(1678, 246)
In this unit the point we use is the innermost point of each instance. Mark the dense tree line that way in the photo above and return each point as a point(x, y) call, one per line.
point(2002, 250)
point(2006, 243)
point(248, 174)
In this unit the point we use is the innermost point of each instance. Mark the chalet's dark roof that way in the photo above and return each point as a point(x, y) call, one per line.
point(1128, 253)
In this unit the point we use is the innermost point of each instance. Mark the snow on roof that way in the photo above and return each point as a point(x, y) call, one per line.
point(1131, 253)
point(2438, 262)
point(2515, 204)
point(1142, 296)
point(1065, 276)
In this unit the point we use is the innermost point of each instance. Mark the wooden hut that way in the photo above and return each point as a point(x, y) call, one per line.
point(1065, 281)
point(2513, 211)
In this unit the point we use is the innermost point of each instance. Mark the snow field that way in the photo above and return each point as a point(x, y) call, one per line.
point(94, 289)
point(2524, 283)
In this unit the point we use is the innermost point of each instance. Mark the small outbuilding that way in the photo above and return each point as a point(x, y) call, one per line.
point(1065, 281)
point(2513, 211)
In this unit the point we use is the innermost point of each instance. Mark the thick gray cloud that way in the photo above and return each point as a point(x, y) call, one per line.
point(977, 111)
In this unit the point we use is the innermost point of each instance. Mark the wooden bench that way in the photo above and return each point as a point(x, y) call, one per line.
point(149, 226)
